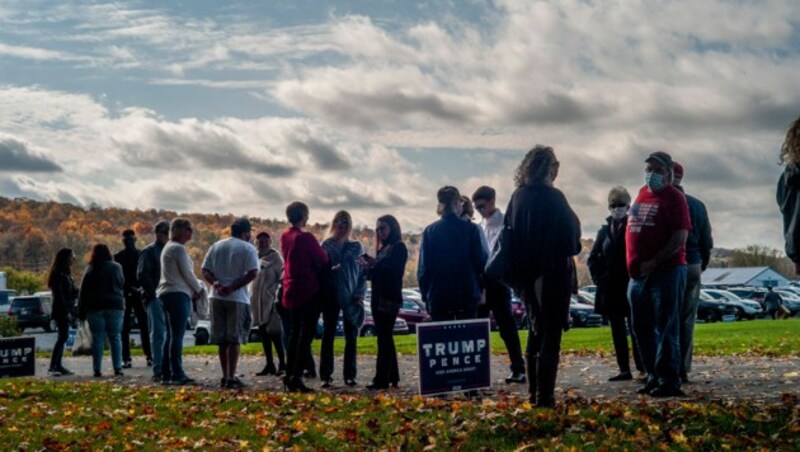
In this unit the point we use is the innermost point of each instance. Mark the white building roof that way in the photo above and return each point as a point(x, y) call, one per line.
point(742, 276)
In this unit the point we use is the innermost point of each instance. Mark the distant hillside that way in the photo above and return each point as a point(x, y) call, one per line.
point(31, 232)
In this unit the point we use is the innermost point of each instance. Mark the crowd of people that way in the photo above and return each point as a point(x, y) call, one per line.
point(646, 262)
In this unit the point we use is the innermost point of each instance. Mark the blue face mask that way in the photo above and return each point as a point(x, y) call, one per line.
point(654, 181)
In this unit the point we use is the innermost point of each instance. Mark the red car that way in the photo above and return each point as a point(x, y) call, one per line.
point(413, 312)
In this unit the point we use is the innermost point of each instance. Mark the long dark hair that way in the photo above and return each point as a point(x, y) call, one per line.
point(62, 263)
point(100, 253)
point(395, 234)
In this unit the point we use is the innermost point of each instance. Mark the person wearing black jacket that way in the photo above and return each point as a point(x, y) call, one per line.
point(148, 273)
point(788, 192)
point(102, 303)
point(64, 312)
point(544, 236)
point(386, 271)
point(129, 259)
point(451, 261)
point(609, 271)
point(698, 253)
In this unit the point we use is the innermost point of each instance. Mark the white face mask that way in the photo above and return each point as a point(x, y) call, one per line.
point(618, 213)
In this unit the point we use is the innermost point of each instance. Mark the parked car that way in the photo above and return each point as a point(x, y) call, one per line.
point(711, 310)
point(518, 312)
point(413, 312)
point(586, 297)
point(368, 329)
point(745, 309)
point(5, 300)
point(791, 300)
point(750, 293)
point(582, 314)
point(33, 311)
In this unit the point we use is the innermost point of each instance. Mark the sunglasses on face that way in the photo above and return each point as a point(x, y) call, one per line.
point(615, 205)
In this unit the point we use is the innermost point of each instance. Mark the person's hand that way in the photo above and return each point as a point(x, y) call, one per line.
point(647, 267)
point(225, 290)
point(359, 301)
point(336, 267)
point(195, 296)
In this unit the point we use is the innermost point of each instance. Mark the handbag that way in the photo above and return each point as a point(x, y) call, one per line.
point(498, 266)
point(83, 340)
point(274, 327)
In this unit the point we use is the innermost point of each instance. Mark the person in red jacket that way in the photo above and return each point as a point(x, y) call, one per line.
point(304, 258)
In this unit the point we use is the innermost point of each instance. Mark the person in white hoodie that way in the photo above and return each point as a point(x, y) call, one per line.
point(263, 297)
point(177, 289)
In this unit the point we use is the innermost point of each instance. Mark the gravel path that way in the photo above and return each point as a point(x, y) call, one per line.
point(713, 378)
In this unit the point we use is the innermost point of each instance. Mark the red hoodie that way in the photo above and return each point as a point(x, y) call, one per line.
point(303, 258)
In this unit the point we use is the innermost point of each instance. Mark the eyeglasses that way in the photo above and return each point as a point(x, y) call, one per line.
point(480, 207)
point(615, 205)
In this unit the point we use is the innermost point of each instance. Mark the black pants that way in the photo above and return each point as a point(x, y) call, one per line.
point(498, 301)
point(443, 315)
point(619, 334)
point(58, 349)
point(286, 324)
point(386, 370)
point(548, 306)
point(133, 303)
point(269, 340)
point(330, 318)
point(303, 326)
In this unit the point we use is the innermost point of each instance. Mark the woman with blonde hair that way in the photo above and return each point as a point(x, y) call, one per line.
point(788, 194)
point(344, 289)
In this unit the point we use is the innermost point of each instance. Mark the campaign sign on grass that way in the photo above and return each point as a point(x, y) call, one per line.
point(18, 357)
point(453, 356)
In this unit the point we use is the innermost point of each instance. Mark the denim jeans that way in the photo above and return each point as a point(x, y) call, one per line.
point(102, 323)
point(176, 306)
point(159, 337)
point(656, 301)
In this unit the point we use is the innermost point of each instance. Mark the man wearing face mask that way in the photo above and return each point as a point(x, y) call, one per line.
point(608, 267)
point(658, 225)
point(698, 253)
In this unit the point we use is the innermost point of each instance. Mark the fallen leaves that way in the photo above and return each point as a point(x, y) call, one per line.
point(63, 416)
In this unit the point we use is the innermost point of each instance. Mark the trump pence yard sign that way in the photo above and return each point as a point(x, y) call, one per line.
point(453, 356)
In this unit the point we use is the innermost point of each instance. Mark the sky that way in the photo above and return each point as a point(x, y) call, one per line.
point(243, 107)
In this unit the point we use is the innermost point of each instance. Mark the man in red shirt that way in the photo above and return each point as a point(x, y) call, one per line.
point(658, 225)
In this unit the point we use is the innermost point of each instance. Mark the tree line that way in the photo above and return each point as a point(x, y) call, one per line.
point(31, 232)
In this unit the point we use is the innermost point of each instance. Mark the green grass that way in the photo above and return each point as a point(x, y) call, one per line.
point(751, 338)
point(754, 338)
point(40, 414)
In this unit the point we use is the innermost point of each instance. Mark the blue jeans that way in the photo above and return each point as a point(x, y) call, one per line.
point(656, 301)
point(102, 323)
point(159, 337)
point(176, 306)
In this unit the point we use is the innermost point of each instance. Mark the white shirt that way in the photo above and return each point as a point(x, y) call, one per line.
point(230, 259)
point(177, 271)
point(492, 226)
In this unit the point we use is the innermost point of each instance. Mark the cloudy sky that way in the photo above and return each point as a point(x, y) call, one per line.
point(241, 107)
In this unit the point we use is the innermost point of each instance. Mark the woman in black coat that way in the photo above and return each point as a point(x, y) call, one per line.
point(607, 264)
point(544, 236)
point(59, 280)
point(386, 271)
